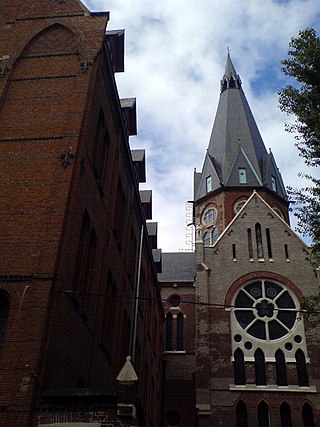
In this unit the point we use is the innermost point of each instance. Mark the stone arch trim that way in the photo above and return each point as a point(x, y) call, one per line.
point(258, 275)
point(13, 293)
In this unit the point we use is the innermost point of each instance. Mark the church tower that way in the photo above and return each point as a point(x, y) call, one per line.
point(257, 362)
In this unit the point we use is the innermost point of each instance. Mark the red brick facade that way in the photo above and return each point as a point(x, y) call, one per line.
point(71, 222)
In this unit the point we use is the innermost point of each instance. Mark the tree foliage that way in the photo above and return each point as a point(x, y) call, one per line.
point(303, 101)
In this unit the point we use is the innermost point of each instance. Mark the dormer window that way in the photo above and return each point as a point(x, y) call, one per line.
point(242, 175)
point(208, 184)
point(273, 183)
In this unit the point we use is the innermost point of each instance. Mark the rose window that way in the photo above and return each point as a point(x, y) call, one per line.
point(265, 310)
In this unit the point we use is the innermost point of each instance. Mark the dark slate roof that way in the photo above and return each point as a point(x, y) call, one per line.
point(235, 143)
point(177, 267)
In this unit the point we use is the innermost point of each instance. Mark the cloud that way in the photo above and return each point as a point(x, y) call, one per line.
point(175, 57)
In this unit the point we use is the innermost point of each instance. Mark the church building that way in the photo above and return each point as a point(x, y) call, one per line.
point(238, 351)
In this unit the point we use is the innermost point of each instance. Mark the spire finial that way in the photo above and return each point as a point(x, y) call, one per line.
point(229, 50)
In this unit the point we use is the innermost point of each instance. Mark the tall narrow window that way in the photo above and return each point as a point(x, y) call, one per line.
point(169, 332)
point(286, 251)
point(259, 241)
point(98, 140)
point(206, 239)
point(273, 183)
point(214, 235)
point(241, 414)
point(281, 369)
point(239, 368)
point(260, 367)
point(285, 415)
point(234, 252)
point(119, 213)
point(4, 313)
point(208, 184)
point(87, 278)
point(250, 248)
point(269, 243)
point(301, 369)
point(242, 175)
point(307, 416)
point(102, 159)
point(263, 415)
point(180, 321)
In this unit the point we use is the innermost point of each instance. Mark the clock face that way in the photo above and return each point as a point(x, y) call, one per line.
point(209, 216)
point(265, 310)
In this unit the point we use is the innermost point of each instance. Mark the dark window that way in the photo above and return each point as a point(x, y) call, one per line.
point(101, 163)
point(260, 367)
point(250, 243)
point(119, 213)
point(259, 241)
point(234, 253)
point(301, 369)
point(286, 250)
point(4, 313)
point(169, 332)
point(98, 139)
point(232, 82)
point(239, 368)
point(281, 368)
point(285, 415)
point(82, 251)
point(87, 279)
point(269, 243)
point(241, 414)
point(263, 415)
point(307, 416)
point(175, 301)
point(180, 332)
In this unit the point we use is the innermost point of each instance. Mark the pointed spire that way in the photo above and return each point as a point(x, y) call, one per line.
point(230, 78)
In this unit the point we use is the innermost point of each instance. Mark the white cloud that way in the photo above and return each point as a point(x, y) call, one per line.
point(175, 57)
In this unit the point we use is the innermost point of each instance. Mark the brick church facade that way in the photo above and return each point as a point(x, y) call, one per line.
point(238, 351)
point(97, 327)
point(75, 248)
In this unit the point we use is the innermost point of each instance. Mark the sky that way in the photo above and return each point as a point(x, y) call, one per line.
point(175, 56)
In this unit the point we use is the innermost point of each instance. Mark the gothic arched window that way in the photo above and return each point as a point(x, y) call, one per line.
point(169, 332)
point(241, 414)
point(281, 368)
point(259, 241)
point(285, 415)
point(301, 369)
point(180, 332)
point(307, 416)
point(239, 368)
point(260, 367)
point(263, 415)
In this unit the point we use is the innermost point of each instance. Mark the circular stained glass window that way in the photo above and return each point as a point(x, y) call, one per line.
point(265, 310)
point(175, 301)
point(209, 216)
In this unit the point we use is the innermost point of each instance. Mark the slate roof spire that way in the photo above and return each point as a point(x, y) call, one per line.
point(236, 146)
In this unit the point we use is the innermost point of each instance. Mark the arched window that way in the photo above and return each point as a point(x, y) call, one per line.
point(98, 140)
point(169, 332)
point(180, 331)
point(281, 369)
point(206, 239)
point(259, 241)
point(285, 415)
point(214, 235)
point(4, 313)
point(239, 368)
point(263, 415)
point(301, 369)
point(307, 416)
point(260, 367)
point(241, 414)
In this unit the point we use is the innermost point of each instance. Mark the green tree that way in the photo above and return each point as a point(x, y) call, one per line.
point(303, 101)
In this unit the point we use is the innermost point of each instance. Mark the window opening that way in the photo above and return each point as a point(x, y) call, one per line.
point(250, 248)
point(4, 313)
point(285, 415)
point(242, 175)
point(259, 241)
point(214, 235)
point(281, 369)
point(273, 183)
point(269, 243)
point(263, 415)
point(241, 414)
point(307, 416)
point(206, 239)
point(180, 332)
point(208, 184)
point(260, 367)
point(286, 250)
point(302, 373)
point(239, 368)
point(209, 216)
point(239, 205)
point(234, 253)
point(175, 301)
point(169, 332)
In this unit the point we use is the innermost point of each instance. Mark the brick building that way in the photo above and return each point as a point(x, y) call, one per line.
point(75, 249)
point(252, 358)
